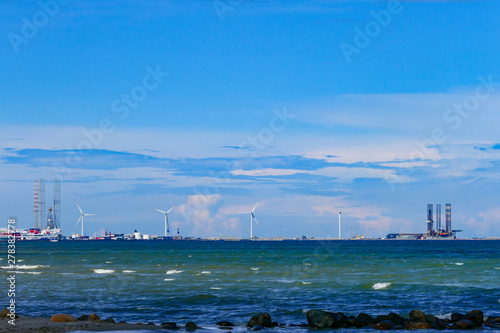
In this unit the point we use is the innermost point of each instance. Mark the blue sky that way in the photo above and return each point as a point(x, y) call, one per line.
point(214, 105)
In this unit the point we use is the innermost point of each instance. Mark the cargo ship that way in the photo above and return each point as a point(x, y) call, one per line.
point(31, 234)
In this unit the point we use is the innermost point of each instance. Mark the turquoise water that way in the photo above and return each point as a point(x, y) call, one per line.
point(205, 282)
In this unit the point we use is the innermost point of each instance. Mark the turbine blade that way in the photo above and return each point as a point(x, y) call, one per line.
point(161, 211)
point(253, 210)
point(171, 209)
point(79, 220)
point(88, 214)
point(245, 213)
point(79, 208)
point(255, 219)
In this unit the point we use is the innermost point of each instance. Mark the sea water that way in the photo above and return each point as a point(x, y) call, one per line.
point(210, 281)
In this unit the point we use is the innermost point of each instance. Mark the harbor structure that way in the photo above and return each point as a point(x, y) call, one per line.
point(431, 233)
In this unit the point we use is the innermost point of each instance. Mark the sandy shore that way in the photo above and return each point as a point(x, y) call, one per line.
point(38, 324)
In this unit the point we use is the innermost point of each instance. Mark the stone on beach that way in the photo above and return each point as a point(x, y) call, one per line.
point(456, 317)
point(418, 325)
point(320, 319)
point(262, 319)
point(224, 324)
point(464, 324)
point(191, 326)
point(363, 320)
point(109, 321)
point(417, 316)
point(476, 316)
point(170, 326)
point(384, 325)
point(63, 318)
point(4, 313)
point(94, 318)
point(83, 318)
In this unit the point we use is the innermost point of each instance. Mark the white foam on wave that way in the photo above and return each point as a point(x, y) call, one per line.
point(307, 264)
point(255, 268)
point(216, 288)
point(306, 283)
point(28, 267)
point(459, 263)
point(206, 272)
point(109, 262)
point(497, 267)
point(444, 316)
point(169, 280)
point(173, 271)
point(286, 281)
point(381, 285)
point(33, 273)
point(20, 260)
point(128, 271)
point(104, 271)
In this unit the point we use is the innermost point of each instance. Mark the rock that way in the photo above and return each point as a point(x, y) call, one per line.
point(109, 321)
point(170, 326)
point(456, 317)
point(417, 316)
point(150, 324)
point(430, 318)
point(320, 319)
point(63, 318)
point(191, 326)
point(224, 324)
point(476, 316)
point(418, 325)
point(83, 318)
point(94, 318)
point(399, 327)
point(440, 325)
point(263, 319)
point(384, 325)
point(397, 319)
point(464, 324)
point(4, 313)
point(363, 320)
point(257, 328)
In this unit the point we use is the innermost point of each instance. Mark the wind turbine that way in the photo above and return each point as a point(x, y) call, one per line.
point(340, 222)
point(81, 217)
point(167, 229)
point(252, 218)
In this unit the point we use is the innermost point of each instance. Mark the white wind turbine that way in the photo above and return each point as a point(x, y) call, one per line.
point(340, 222)
point(167, 229)
point(81, 217)
point(252, 218)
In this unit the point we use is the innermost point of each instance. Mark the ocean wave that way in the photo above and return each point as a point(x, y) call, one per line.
point(306, 283)
point(18, 267)
point(255, 268)
point(109, 262)
point(459, 263)
point(286, 281)
point(104, 271)
point(216, 288)
point(20, 260)
point(34, 273)
point(169, 280)
point(128, 271)
point(206, 272)
point(381, 285)
point(173, 271)
point(444, 316)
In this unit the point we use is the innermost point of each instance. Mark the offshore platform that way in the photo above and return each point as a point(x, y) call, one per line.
point(440, 232)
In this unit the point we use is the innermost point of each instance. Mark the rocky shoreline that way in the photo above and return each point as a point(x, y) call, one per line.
point(316, 319)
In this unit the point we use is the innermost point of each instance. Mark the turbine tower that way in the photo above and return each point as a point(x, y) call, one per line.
point(340, 225)
point(81, 218)
point(252, 218)
point(167, 229)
